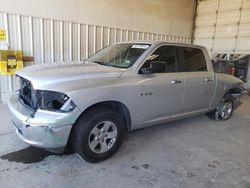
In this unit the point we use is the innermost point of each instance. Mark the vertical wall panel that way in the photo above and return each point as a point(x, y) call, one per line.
point(75, 42)
point(13, 35)
point(47, 41)
point(130, 35)
point(57, 41)
point(91, 41)
point(83, 42)
point(112, 36)
point(105, 36)
point(124, 35)
point(118, 35)
point(66, 42)
point(26, 33)
point(37, 41)
point(99, 39)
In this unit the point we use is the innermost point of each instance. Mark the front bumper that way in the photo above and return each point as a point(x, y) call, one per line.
point(46, 129)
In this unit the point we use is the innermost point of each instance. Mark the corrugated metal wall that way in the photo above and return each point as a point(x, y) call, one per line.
point(50, 40)
point(223, 26)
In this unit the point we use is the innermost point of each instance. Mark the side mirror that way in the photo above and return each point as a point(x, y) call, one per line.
point(155, 67)
point(146, 70)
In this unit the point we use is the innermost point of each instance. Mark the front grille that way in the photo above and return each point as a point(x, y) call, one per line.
point(26, 92)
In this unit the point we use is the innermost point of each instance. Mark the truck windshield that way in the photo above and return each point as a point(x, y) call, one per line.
point(119, 55)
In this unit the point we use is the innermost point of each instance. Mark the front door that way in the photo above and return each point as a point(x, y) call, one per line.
point(160, 94)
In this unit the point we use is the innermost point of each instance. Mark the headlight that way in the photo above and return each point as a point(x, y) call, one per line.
point(54, 101)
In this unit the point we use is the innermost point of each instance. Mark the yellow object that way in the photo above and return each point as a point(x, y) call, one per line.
point(10, 61)
point(2, 35)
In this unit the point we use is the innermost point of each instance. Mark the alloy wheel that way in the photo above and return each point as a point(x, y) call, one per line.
point(102, 137)
point(226, 110)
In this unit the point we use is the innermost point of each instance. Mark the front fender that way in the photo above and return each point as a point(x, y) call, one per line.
point(124, 94)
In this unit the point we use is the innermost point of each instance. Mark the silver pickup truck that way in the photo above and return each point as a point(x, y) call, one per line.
point(88, 106)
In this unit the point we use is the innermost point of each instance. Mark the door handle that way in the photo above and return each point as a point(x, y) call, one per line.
point(209, 79)
point(176, 82)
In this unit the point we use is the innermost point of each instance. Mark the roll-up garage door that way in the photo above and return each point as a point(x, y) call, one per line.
point(223, 26)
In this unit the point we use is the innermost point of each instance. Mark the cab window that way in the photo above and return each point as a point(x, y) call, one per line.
point(191, 60)
point(166, 55)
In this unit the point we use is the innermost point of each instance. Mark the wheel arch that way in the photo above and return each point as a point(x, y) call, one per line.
point(117, 106)
point(234, 92)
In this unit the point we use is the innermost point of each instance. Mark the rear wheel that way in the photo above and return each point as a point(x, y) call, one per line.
point(98, 134)
point(224, 109)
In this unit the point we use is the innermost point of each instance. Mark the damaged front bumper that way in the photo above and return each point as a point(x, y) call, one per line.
point(45, 129)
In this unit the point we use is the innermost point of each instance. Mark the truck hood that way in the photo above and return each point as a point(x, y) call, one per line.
point(51, 75)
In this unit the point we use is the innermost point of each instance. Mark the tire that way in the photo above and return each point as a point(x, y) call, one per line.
point(98, 134)
point(224, 110)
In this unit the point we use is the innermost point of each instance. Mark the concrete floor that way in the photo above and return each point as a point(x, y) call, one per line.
point(196, 152)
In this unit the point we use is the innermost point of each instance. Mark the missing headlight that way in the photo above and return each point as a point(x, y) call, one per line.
point(55, 104)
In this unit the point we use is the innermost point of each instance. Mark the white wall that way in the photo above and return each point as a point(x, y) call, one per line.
point(173, 17)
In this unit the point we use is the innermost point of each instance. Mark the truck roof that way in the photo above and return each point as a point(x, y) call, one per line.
point(155, 42)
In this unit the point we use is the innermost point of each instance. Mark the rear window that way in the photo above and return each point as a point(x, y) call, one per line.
point(192, 60)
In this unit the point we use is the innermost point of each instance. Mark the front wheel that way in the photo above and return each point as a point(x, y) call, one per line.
point(98, 134)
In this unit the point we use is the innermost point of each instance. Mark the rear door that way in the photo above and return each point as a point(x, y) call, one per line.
point(199, 81)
